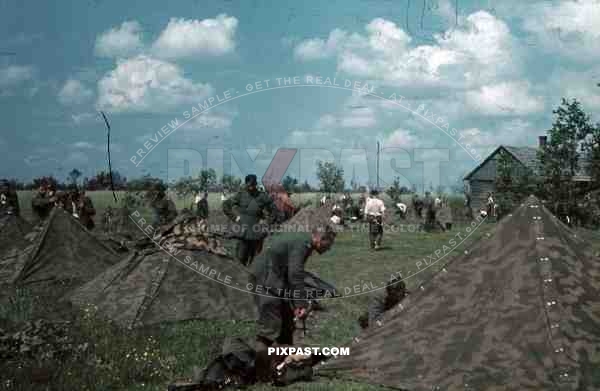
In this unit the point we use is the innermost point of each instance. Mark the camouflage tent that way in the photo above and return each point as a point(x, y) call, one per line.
point(58, 249)
point(152, 286)
point(520, 312)
point(13, 230)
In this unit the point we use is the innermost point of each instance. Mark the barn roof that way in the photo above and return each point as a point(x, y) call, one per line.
point(528, 157)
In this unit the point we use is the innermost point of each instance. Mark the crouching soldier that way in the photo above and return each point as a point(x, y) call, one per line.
point(279, 274)
point(383, 301)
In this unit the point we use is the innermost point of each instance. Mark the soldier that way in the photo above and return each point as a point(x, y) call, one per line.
point(429, 207)
point(44, 200)
point(279, 275)
point(202, 206)
point(374, 210)
point(383, 301)
point(468, 209)
point(490, 205)
point(247, 208)
point(163, 208)
point(417, 205)
point(9, 201)
point(85, 209)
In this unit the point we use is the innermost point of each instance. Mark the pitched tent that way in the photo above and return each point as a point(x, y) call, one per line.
point(520, 312)
point(151, 286)
point(60, 249)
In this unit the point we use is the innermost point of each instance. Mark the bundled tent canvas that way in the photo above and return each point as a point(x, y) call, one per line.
point(152, 286)
point(520, 312)
point(59, 249)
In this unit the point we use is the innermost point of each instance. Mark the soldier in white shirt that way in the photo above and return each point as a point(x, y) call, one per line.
point(374, 209)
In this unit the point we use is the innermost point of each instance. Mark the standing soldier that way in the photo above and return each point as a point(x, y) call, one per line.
point(163, 208)
point(44, 200)
point(85, 209)
point(247, 208)
point(468, 209)
point(417, 205)
point(490, 205)
point(279, 274)
point(202, 206)
point(9, 201)
point(374, 210)
point(428, 205)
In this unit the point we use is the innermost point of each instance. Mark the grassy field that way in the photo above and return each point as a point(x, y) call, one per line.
point(150, 358)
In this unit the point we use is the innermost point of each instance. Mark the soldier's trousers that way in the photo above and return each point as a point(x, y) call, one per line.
point(247, 250)
point(275, 321)
point(375, 230)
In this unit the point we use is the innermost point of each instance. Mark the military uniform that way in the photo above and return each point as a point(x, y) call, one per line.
point(202, 208)
point(42, 203)
point(9, 201)
point(280, 270)
point(383, 301)
point(249, 207)
point(86, 211)
point(429, 207)
point(164, 211)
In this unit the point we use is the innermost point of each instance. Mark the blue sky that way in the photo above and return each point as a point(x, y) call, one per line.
point(487, 72)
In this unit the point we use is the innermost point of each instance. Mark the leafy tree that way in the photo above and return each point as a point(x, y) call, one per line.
point(394, 191)
point(560, 157)
point(206, 178)
point(74, 176)
point(232, 183)
point(331, 177)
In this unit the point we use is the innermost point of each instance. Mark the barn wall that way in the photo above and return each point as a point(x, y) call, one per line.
point(479, 191)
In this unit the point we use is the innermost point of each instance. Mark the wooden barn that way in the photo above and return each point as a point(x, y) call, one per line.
point(482, 179)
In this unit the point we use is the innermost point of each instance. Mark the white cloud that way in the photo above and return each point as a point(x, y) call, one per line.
point(83, 145)
point(120, 41)
point(16, 74)
point(480, 51)
point(74, 92)
point(571, 27)
point(363, 117)
point(402, 138)
point(208, 120)
point(148, 85)
point(507, 98)
point(82, 118)
point(184, 38)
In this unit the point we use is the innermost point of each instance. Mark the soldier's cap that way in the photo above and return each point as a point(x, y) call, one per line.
point(251, 179)
point(374, 192)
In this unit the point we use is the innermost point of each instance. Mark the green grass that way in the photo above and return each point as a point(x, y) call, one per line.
point(175, 349)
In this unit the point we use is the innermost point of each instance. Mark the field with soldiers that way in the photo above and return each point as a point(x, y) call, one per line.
point(96, 354)
point(77, 347)
point(364, 195)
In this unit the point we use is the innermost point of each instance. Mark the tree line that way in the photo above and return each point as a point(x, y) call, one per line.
point(567, 169)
